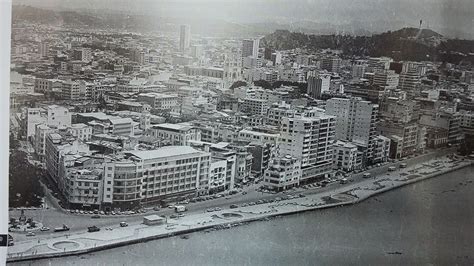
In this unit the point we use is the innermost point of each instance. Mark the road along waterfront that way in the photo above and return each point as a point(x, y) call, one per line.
point(135, 233)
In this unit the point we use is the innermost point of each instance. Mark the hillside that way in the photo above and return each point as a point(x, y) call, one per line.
point(403, 44)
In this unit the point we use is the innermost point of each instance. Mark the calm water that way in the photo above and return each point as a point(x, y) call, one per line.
point(430, 222)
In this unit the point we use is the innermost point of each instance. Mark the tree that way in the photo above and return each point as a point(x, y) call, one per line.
point(25, 188)
point(238, 84)
point(263, 83)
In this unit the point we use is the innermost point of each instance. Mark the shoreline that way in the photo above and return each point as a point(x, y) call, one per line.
point(279, 209)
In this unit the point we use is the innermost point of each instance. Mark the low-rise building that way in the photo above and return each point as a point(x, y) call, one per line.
point(283, 173)
point(176, 134)
point(347, 157)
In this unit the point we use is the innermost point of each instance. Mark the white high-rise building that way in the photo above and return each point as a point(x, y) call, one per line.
point(250, 47)
point(318, 83)
point(310, 140)
point(184, 37)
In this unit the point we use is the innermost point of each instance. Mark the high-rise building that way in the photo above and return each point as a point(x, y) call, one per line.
point(276, 58)
point(184, 37)
point(379, 63)
point(310, 140)
point(356, 121)
point(358, 68)
point(250, 47)
point(410, 82)
point(44, 49)
point(331, 64)
point(318, 83)
point(386, 79)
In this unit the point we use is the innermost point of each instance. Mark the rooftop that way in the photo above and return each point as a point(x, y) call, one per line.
point(164, 152)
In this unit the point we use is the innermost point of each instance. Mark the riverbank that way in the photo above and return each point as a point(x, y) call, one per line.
point(89, 242)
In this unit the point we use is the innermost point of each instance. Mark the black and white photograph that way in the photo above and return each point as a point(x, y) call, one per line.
point(237, 132)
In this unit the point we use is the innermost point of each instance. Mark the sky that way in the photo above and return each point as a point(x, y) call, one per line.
point(445, 16)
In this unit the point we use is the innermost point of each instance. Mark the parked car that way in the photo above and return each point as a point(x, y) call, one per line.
point(233, 206)
point(95, 216)
point(123, 224)
point(93, 228)
point(44, 229)
point(366, 175)
point(30, 234)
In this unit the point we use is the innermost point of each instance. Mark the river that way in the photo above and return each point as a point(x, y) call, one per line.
point(430, 222)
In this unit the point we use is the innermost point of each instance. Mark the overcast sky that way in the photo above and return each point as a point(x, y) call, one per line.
point(441, 15)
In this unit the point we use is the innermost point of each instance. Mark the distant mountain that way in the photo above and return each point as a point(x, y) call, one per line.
point(403, 44)
point(57, 18)
point(111, 20)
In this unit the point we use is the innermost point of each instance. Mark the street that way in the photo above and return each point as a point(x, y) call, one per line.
point(79, 222)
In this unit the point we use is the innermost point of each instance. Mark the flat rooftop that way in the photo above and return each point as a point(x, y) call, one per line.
point(164, 152)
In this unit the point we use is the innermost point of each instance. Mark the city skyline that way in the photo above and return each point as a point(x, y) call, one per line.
point(138, 133)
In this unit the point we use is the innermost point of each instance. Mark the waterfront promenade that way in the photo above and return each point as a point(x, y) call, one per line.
point(349, 194)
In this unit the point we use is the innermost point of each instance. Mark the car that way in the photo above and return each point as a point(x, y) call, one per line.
point(96, 211)
point(123, 224)
point(302, 195)
point(71, 211)
point(102, 213)
point(210, 210)
point(244, 193)
point(156, 208)
point(366, 175)
point(260, 202)
point(251, 203)
point(93, 228)
point(44, 228)
point(233, 206)
point(81, 212)
point(95, 216)
point(112, 212)
point(30, 234)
